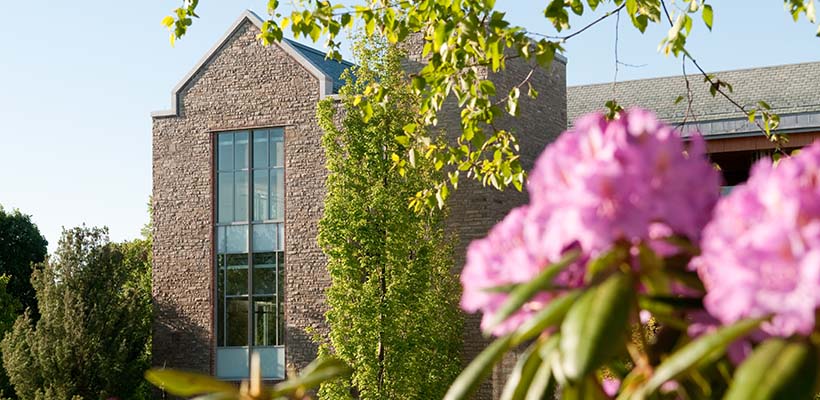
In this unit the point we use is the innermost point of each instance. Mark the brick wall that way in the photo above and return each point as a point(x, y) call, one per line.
point(474, 208)
point(243, 85)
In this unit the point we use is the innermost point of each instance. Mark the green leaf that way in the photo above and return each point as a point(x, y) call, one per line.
point(319, 371)
point(679, 99)
point(522, 374)
point(543, 383)
point(707, 15)
point(550, 315)
point(524, 292)
point(690, 355)
point(778, 369)
point(606, 261)
point(595, 327)
point(187, 384)
point(469, 379)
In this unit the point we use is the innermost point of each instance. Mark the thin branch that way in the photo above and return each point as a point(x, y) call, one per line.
point(571, 35)
point(689, 98)
point(717, 86)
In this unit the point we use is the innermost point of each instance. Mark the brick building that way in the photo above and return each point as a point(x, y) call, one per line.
point(238, 186)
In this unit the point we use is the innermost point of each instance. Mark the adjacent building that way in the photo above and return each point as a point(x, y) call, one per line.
point(734, 144)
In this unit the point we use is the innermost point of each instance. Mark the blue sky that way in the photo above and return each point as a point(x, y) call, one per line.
point(78, 81)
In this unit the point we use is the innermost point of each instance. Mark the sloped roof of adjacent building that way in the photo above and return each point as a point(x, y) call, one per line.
point(330, 67)
point(793, 91)
point(327, 71)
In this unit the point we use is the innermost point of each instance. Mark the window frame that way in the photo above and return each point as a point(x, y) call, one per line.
point(250, 223)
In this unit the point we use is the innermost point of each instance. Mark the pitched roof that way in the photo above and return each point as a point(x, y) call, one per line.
point(327, 71)
point(793, 91)
point(330, 67)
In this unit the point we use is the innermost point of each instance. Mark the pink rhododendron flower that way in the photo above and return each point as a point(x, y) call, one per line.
point(503, 258)
point(630, 179)
point(761, 253)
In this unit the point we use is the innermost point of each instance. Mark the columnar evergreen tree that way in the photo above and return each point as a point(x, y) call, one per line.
point(393, 300)
point(92, 338)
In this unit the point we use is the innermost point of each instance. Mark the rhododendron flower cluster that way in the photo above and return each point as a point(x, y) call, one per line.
point(630, 179)
point(761, 253)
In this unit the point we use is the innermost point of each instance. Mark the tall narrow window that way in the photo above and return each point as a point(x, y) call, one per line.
point(250, 257)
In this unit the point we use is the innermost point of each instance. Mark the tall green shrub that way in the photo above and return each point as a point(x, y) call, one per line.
point(92, 338)
point(393, 301)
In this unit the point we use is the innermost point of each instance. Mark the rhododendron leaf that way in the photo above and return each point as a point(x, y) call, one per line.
point(523, 372)
point(187, 384)
point(320, 370)
point(481, 366)
point(543, 384)
point(589, 389)
point(596, 325)
point(690, 355)
point(550, 315)
point(778, 369)
point(606, 261)
point(218, 396)
point(524, 292)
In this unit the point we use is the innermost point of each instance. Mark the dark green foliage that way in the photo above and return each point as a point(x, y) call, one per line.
point(393, 302)
point(21, 245)
point(93, 335)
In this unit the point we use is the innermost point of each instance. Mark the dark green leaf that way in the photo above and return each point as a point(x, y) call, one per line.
point(690, 355)
point(777, 370)
point(549, 316)
point(469, 379)
point(522, 374)
point(543, 383)
point(596, 325)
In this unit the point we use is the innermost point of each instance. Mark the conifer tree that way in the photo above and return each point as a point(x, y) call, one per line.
point(92, 338)
point(393, 313)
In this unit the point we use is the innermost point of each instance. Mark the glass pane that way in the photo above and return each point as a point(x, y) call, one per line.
point(264, 321)
point(264, 273)
point(264, 237)
point(280, 337)
point(224, 150)
point(281, 241)
point(237, 239)
point(237, 274)
point(277, 193)
point(232, 363)
point(260, 194)
point(240, 208)
point(237, 329)
point(277, 148)
point(260, 149)
point(273, 362)
point(220, 240)
point(241, 150)
point(220, 300)
point(281, 281)
point(224, 197)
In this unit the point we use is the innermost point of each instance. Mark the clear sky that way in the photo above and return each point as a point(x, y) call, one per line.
point(78, 81)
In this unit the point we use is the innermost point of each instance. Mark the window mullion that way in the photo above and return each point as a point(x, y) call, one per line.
point(251, 305)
